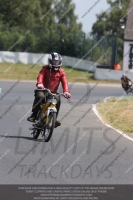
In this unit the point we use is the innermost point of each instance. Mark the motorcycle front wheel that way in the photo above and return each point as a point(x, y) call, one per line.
point(50, 127)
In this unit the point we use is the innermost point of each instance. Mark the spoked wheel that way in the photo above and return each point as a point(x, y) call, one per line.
point(36, 132)
point(50, 127)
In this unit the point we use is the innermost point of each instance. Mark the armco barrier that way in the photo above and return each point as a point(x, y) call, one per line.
point(23, 57)
point(76, 63)
point(107, 74)
point(36, 58)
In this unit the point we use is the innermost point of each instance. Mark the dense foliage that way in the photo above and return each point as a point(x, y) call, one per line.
point(43, 26)
point(109, 20)
point(51, 25)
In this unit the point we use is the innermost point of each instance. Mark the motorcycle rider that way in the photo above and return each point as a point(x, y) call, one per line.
point(50, 77)
point(125, 82)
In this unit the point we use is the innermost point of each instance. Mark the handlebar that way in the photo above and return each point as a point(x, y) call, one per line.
point(53, 94)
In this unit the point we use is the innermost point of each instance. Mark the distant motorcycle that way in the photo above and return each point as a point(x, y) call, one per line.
point(129, 88)
point(46, 117)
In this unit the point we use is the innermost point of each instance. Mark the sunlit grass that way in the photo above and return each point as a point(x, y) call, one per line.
point(11, 71)
point(118, 112)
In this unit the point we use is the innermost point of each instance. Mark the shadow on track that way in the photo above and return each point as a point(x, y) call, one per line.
point(22, 137)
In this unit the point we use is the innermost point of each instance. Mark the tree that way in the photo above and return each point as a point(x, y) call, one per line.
point(66, 26)
point(65, 17)
point(50, 26)
point(110, 21)
point(25, 13)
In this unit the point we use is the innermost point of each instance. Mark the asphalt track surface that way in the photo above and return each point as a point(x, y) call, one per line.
point(81, 151)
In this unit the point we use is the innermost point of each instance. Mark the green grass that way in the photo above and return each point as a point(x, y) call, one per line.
point(118, 112)
point(11, 71)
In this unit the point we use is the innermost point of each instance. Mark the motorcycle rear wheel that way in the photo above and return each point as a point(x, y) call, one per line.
point(36, 132)
point(50, 127)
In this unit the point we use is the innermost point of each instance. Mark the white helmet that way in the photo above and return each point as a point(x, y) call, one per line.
point(54, 61)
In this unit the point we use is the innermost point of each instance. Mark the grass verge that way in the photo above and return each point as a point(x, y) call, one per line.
point(10, 71)
point(118, 112)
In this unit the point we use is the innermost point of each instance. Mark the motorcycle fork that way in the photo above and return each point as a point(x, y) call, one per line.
point(51, 107)
point(44, 108)
point(47, 107)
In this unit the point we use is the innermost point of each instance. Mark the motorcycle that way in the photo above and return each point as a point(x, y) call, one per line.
point(130, 87)
point(46, 117)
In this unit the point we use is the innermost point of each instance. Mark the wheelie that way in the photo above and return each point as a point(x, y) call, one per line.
point(47, 101)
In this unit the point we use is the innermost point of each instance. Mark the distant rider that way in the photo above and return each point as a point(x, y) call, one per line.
point(50, 77)
point(125, 82)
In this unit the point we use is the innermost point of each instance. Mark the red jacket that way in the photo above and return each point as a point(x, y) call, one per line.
point(53, 79)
